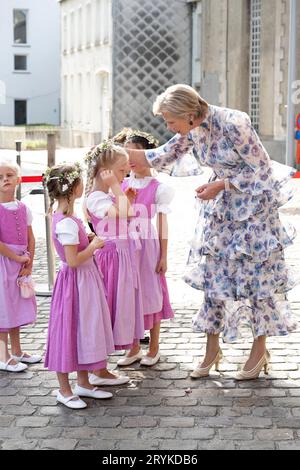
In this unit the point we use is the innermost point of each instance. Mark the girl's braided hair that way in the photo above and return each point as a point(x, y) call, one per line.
point(61, 180)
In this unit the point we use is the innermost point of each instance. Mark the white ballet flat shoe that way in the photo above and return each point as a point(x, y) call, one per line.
point(73, 401)
point(204, 371)
point(94, 393)
point(150, 361)
point(19, 367)
point(32, 359)
point(119, 380)
point(126, 361)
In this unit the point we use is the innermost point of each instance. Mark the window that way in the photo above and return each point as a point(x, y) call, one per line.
point(20, 26)
point(20, 112)
point(20, 62)
point(255, 50)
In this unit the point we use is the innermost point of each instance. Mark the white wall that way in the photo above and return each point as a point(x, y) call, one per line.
point(86, 69)
point(40, 85)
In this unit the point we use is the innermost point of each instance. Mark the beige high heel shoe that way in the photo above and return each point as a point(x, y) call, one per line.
point(263, 363)
point(204, 371)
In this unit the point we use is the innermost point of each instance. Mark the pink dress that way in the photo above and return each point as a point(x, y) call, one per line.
point(79, 334)
point(154, 287)
point(15, 311)
point(117, 262)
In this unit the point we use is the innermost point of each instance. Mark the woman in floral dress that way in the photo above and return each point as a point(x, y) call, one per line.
point(237, 254)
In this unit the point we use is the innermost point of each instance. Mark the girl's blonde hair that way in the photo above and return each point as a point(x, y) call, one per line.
point(61, 180)
point(181, 101)
point(103, 156)
point(10, 164)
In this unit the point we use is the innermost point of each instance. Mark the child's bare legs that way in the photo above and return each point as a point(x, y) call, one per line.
point(105, 374)
point(154, 340)
point(64, 383)
point(14, 335)
point(134, 350)
point(4, 353)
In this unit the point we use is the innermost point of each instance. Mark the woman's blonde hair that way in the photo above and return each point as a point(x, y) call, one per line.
point(181, 101)
point(103, 156)
point(10, 164)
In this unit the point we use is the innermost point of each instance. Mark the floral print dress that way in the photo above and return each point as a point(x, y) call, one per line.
point(237, 255)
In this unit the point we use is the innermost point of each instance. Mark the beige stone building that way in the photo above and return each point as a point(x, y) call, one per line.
point(117, 55)
point(244, 61)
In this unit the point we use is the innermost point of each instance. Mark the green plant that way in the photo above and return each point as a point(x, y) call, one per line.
point(35, 144)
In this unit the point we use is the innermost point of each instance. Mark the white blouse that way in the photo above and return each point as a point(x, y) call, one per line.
point(98, 203)
point(67, 232)
point(13, 205)
point(164, 194)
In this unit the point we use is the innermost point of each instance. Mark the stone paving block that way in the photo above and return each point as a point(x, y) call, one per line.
point(139, 422)
point(57, 444)
point(275, 434)
point(44, 433)
point(96, 444)
point(32, 422)
point(18, 444)
point(288, 445)
point(141, 444)
point(235, 434)
point(162, 411)
point(158, 433)
point(22, 410)
point(176, 444)
point(198, 433)
point(255, 445)
point(6, 421)
point(177, 422)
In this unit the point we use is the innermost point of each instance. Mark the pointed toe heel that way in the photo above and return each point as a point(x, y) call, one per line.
point(204, 371)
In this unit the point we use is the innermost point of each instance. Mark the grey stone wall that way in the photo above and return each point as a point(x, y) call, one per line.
point(151, 51)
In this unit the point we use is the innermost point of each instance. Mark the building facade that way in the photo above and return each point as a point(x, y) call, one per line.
point(244, 62)
point(29, 62)
point(117, 55)
point(86, 71)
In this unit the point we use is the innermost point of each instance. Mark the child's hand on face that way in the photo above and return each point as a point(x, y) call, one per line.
point(108, 177)
point(97, 243)
point(131, 194)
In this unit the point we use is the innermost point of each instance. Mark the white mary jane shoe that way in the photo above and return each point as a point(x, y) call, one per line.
point(119, 380)
point(94, 393)
point(33, 359)
point(73, 401)
point(19, 367)
point(126, 361)
point(150, 361)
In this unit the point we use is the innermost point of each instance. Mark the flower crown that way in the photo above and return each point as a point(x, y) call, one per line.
point(66, 179)
point(149, 137)
point(92, 156)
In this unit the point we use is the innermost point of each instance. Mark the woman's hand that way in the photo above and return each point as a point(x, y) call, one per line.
point(210, 190)
point(162, 266)
point(131, 194)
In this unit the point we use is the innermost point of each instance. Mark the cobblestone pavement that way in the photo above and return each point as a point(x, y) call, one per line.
point(162, 408)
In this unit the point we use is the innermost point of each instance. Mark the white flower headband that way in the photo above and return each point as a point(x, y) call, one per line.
point(65, 179)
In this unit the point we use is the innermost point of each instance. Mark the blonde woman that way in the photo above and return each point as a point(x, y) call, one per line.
point(237, 253)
